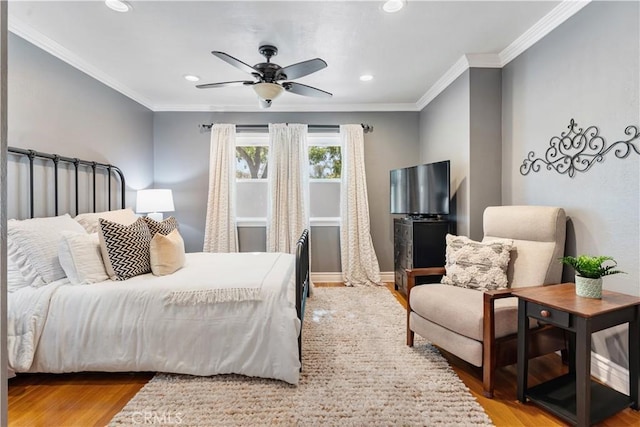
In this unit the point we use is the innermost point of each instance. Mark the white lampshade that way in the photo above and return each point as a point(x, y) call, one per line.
point(154, 201)
point(268, 90)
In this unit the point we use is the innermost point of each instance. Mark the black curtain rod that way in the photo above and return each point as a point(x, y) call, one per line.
point(318, 128)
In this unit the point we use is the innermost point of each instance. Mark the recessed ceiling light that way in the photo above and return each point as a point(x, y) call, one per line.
point(191, 77)
point(392, 6)
point(366, 77)
point(118, 5)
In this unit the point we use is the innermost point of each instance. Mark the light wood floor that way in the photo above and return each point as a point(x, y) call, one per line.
point(92, 399)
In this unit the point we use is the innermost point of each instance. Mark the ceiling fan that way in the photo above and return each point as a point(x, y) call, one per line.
point(270, 78)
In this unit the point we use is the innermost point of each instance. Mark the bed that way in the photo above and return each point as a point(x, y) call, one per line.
point(219, 313)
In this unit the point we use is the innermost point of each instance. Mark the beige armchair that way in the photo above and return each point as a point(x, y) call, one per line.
point(481, 327)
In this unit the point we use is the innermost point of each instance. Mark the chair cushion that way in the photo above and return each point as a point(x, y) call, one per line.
point(461, 310)
point(538, 234)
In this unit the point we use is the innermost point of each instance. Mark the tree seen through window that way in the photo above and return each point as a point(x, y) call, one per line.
point(325, 162)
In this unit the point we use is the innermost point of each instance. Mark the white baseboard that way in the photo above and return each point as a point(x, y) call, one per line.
point(336, 277)
point(610, 373)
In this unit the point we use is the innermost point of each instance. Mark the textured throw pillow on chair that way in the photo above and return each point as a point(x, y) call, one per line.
point(477, 265)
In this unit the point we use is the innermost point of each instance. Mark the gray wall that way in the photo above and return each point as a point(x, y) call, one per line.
point(586, 69)
point(463, 125)
point(182, 162)
point(485, 147)
point(444, 135)
point(53, 107)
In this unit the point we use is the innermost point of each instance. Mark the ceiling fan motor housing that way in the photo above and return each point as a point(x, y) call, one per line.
point(270, 72)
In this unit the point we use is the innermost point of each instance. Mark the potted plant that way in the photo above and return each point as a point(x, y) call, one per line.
point(589, 273)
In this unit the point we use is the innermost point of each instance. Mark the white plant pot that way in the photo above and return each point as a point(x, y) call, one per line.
point(588, 288)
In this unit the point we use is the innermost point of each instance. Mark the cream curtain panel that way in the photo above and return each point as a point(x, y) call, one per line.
point(220, 234)
point(359, 261)
point(288, 176)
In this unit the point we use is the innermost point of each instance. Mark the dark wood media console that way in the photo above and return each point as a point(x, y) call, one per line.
point(418, 243)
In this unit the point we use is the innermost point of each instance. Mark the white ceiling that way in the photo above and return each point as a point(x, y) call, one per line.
point(145, 53)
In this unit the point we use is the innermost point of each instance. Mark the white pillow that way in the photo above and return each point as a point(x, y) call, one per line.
point(80, 258)
point(32, 244)
point(90, 220)
point(15, 279)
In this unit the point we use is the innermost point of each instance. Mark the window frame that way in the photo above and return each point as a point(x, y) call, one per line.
point(322, 139)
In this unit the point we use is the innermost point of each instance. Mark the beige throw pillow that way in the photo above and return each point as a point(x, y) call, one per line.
point(167, 253)
point(90, 220)
point(476, 265)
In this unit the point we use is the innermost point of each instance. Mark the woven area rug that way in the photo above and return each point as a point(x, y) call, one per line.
point(357, 371)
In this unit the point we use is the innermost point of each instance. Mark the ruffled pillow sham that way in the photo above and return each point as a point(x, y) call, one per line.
point(32, 245)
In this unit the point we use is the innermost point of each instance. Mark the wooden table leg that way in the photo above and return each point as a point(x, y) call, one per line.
point(523, 350)
point(583, 371)
point(634, 360)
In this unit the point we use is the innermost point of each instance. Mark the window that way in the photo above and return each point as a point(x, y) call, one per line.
point(325, 163)
point(252, 151)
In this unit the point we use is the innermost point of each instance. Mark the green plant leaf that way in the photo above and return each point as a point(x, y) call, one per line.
point(592, 266)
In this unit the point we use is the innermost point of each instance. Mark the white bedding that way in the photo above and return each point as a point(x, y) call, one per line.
point(221, 313)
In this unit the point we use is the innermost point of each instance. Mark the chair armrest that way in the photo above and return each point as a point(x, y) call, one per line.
point(489, 329)
point(425, 271)
point(497, 294)
point(412, 273)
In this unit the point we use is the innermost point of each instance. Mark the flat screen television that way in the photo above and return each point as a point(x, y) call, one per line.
point(422, 190)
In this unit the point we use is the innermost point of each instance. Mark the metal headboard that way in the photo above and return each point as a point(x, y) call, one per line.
point(56, 159)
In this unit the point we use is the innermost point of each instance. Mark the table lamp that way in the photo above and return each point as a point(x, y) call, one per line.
point(154, 202)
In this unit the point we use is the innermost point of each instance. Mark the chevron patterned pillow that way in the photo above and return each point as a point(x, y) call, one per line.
point(163, 227)
point(125, 248)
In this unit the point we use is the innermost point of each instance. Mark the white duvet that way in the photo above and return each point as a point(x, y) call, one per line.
point(221, 313)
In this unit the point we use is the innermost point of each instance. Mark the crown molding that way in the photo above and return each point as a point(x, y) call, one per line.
point(544, 26)
point(284, 108)
point(559, 14)
point(484, 60)
point(38, 39)
point(459, 67)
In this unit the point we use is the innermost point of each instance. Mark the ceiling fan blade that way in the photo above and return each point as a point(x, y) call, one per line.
point(225, 84)
point(301, 69)
point(236, 62)
point(300, 89)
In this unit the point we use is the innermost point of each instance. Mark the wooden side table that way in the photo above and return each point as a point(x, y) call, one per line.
point(574, 396)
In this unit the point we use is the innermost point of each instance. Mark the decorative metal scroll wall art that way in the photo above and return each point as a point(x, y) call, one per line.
point(577, 150)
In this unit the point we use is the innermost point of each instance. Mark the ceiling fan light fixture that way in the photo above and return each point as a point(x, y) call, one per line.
point(191, 77)
point(268, 91)
point(392, 6)
point(366, 77)
point(118, 5)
